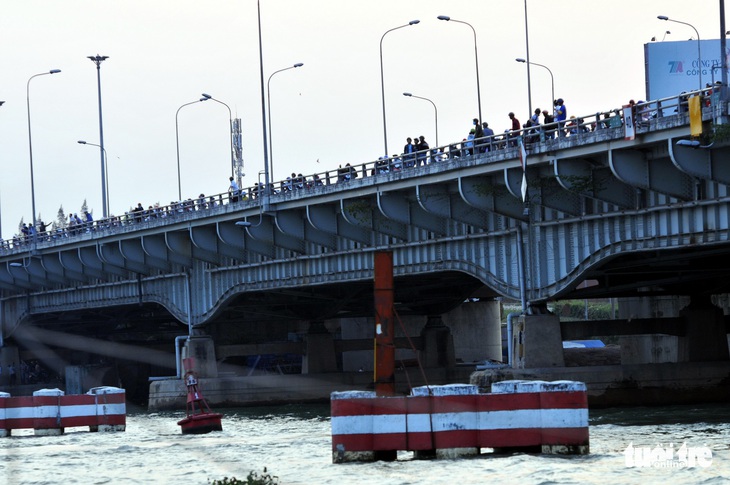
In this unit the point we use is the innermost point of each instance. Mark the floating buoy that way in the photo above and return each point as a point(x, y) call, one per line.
point(200, 418)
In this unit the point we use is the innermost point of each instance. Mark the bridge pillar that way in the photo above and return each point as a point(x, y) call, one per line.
point(319, 355)
point(477, 330)
point(438, 344)
point(202, 348)
point(537, 342)
point(9, 355)
point(706, 337)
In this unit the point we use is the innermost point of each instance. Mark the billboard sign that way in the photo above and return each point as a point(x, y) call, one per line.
point(674, 67)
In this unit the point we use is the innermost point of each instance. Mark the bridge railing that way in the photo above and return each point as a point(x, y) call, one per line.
point(201, 206)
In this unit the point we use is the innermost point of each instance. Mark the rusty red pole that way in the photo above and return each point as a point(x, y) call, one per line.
point(384, 327)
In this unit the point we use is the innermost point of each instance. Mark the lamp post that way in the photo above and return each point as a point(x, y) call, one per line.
point(30, 150)
point(230, 125)
point(105, 170)
point(699, 53)
point(1, 220)
point(267, 188)
point(476, 59)
point(268, 108)
point(382, 80)
point(552, 79)
point(97, 59)
point(435, 111)
point(177, 145)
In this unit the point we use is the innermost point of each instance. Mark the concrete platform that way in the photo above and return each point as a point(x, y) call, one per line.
point(631, 384)
point(236, 391)
point(608, 385)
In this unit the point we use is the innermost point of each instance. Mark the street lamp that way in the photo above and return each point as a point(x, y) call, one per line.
point(382, 80)
point(435, 111)
point(699, 53)
point(30, 149)
point(268, 108)
point(230, 126)
point(105, 170)
point(97, 59)
point(476, 59)
point(552, 79)
point(1, 221)
point(177, 145)
point(267, 187)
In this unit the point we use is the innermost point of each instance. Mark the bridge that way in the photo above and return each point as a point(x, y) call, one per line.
point(605, 214)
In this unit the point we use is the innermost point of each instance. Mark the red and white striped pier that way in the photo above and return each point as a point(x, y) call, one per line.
point(456, 420)
point(49, 411)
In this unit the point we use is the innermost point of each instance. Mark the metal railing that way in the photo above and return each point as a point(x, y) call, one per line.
point(544, 134)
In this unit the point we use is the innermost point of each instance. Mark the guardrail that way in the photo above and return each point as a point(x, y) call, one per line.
point(533, 135)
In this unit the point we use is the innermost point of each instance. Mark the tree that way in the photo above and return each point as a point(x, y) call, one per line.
point(84, 207)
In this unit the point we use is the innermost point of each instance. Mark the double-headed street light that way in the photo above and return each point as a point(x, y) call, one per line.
point(382, 80)
point(177, 144)
point(97, 59)
point(476, 59)
point(435, 111)
point(552, 79)
point(230, 126)
point(699, 52)
point(268, 108)
point(30, 150)
point(105, 171)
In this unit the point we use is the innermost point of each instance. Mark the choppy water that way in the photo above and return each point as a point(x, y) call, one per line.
point(293, 442)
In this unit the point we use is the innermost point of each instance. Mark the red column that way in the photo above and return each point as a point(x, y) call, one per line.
point(384, 328)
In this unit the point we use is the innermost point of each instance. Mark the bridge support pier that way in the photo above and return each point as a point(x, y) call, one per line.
point(438, 344)
point(537, 342)
point(320, 351)
point(202, 348)
point(706, 338)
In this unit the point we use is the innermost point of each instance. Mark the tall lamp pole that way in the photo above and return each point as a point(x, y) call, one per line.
point(527, 50)
point(267, 188)
point(106, 168)
point(268, 108)
point(476, 59)
point(382, 81)
point(97, 59)
point(177, 145)
point(723, 62)
point(552, 79)
point(30, 150)
point(1, 220)
point(699, 52)
point(230, 126)
point(435, 111)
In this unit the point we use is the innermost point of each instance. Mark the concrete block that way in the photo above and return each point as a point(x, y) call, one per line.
point(537, 342)
point(651, 349)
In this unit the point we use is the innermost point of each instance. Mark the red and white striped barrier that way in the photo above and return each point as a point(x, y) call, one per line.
point(455, 420)
point(49, 411)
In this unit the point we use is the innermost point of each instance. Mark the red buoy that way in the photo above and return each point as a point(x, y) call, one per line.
point(200, 418)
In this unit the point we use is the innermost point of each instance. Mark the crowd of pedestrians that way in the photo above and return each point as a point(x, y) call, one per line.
point(416, 153)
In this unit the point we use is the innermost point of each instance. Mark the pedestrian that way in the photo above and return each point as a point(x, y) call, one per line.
point(561, 114)
point(422, 149)
point(408, 153)
point(11, 373)
point(489, 134)
point(478, 136)
point(233, 190)
point(515, 128)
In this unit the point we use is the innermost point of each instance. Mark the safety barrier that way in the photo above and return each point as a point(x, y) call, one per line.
point(49, 411)
point(456, 420)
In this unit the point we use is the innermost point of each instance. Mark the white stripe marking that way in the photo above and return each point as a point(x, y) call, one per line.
point(486, 420)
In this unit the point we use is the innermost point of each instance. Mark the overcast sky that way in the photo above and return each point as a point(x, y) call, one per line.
point(164, 53)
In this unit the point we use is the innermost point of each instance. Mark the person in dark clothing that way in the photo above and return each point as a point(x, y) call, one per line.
point(478, 136)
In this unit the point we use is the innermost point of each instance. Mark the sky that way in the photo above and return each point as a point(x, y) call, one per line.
point(164, 54)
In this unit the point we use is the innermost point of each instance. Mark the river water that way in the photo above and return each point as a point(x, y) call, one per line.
point(294, 443)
